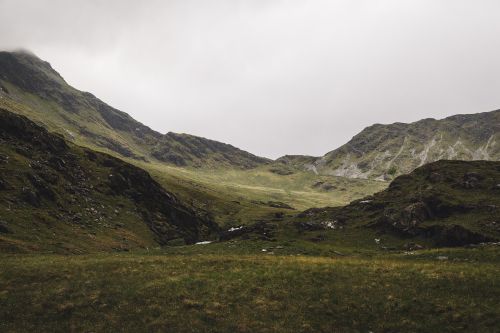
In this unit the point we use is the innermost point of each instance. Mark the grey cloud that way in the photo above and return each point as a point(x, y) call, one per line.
point(271, 77)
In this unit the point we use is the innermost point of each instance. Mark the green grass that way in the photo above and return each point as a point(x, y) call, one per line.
point(197, 292)
point(230, 195)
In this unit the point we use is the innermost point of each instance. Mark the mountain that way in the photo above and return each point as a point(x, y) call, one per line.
point(444, 203)
point(209, 176)
point(385, 151)
point(56, 196)
point(31, 87)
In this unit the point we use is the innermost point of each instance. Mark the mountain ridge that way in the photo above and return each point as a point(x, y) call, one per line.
point(32, 83)
point(383, 151)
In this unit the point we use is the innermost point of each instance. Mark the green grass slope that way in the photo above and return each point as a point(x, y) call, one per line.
point(234, 197)
point(55, 196)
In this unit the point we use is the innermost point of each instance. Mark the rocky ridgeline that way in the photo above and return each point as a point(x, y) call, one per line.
point(385, 151)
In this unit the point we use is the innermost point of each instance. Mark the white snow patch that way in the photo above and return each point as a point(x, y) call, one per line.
point(234, 229)
point(330, 224)
point(71, 134)
point(203, 243)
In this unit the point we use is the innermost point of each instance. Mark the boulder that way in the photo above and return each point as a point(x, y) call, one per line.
point(435, 177)
point(408, 219)
point(412, 246)
point(29, 196)
point(308, 226)
point(42, 187)
point(4, 159)
point(279, 215)
point(4, 229)
point(414, 214)
point(471, 180)
point(454, 235)
point(3, 184)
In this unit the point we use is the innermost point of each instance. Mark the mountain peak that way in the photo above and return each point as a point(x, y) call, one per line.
point(25, 70)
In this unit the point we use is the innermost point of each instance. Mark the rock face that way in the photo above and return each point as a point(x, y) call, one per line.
point(445, 203)
point(74, 191)
point(409, 218)
point(31, 87)
point(386, 151)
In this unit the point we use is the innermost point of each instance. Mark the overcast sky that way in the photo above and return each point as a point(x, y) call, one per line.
point(271, 77)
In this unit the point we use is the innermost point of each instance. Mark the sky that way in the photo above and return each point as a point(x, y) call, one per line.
point(272, 77)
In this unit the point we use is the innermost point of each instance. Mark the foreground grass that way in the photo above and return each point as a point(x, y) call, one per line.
point(247, 293)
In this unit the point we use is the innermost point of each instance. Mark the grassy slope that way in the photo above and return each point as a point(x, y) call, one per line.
point(252, 293)
point(228, 194)
point(233, 196)
point(54, 117)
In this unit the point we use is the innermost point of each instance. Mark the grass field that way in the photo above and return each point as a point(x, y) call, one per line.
point(259, 292)
point(235, 197)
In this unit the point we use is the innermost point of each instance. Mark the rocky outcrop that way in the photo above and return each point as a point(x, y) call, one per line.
point(447, 203)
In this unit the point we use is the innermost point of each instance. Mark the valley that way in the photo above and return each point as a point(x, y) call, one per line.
point(108, 225)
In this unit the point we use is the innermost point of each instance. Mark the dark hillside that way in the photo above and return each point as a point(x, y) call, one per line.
point(445, 203)
point(60, 197)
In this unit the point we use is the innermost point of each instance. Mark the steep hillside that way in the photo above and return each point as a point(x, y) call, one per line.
point(386, 151)
point(55, 196)
point(445, 203)
point(31, 87)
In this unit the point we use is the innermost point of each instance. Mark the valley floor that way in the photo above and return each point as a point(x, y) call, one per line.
point(208, 289)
